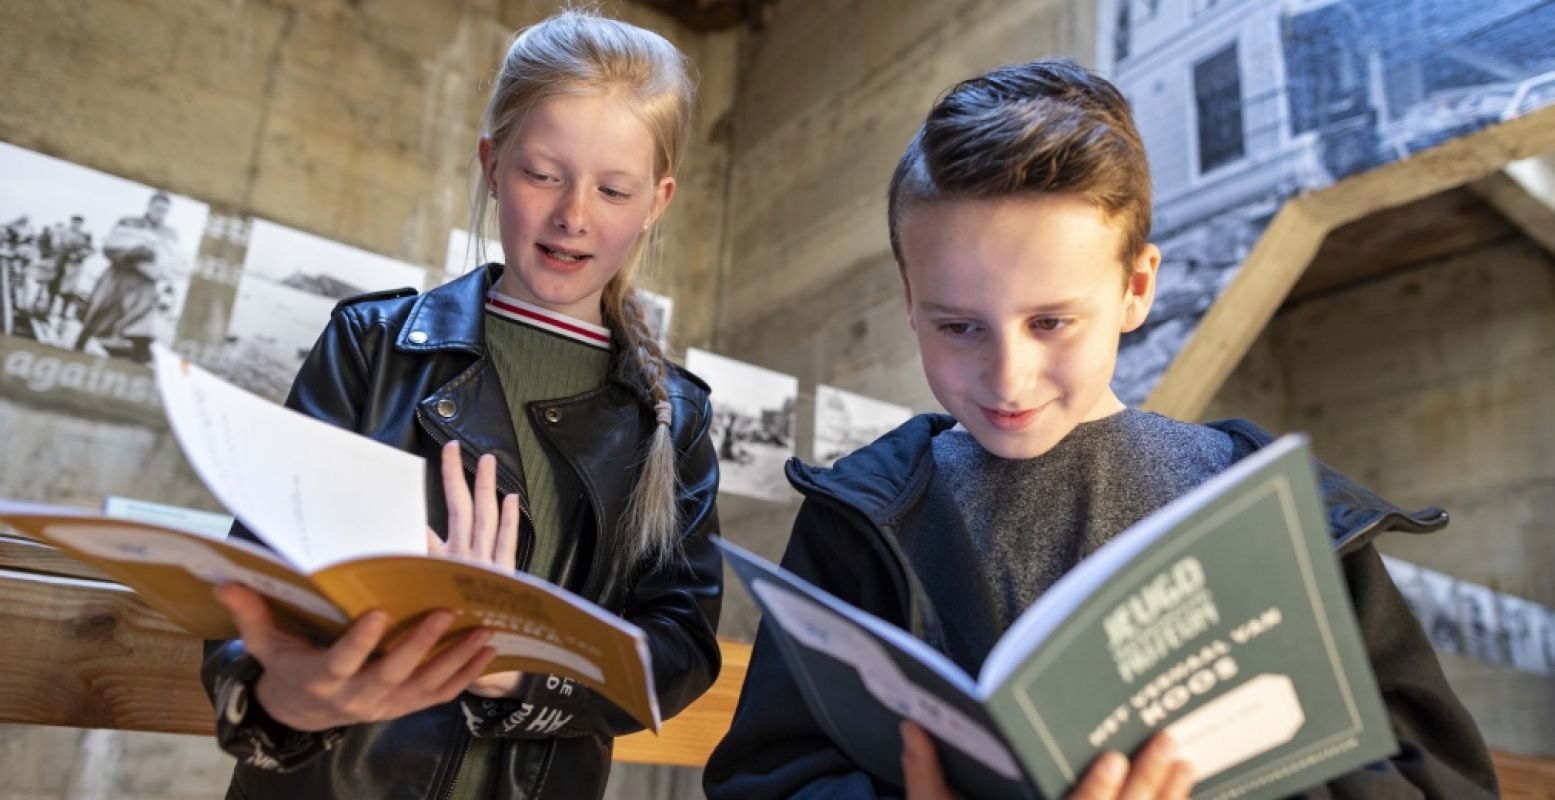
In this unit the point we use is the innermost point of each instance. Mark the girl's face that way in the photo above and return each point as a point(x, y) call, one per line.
point(574, 191)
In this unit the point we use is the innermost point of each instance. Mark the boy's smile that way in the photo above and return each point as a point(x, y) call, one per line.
point(1018, 303)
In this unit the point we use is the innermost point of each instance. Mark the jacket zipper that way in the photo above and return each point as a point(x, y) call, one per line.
point(469, 464)
point(464, 750)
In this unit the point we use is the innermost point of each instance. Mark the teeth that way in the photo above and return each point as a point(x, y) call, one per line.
point(557, 254)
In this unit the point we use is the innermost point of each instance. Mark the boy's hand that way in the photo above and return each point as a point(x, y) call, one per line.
point(920, 766)
point(310, 688)
point(1154, 773)
point(479, 530)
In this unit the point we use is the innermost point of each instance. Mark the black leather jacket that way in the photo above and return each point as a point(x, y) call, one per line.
point(412, 371)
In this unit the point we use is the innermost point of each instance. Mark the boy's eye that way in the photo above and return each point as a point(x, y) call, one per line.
point(1050, 323)
point(955, 328)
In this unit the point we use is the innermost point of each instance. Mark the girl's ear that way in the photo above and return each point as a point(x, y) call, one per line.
point(1139, 293)
point(662, 194)
point(488, 153)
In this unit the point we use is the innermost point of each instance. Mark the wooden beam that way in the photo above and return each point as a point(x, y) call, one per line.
point(1524, 777)
point(90, 654)
point(1524, 192)
point(689, 738)
point(1288, 245)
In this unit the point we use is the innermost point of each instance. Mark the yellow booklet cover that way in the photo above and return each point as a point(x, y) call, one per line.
point(540, 627)
point(344, 519)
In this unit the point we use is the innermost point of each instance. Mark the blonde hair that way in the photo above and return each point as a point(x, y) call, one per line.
point(579, 52)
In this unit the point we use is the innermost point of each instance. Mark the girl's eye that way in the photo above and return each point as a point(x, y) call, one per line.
point(1050, 323)
point(534, 175)
point(613, 194)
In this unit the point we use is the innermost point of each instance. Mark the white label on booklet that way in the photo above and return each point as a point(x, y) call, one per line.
point(148, 547)
point(513, 644)
point(1247, 721)
point(819, 629)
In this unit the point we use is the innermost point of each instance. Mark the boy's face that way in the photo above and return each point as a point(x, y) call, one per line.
point(1018, 303)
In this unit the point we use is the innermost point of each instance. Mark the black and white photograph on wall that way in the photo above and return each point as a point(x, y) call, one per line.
point(1547, 635)
point(1406, 576)
point(1522, 631)
point(1443, 625)
point(463, 254)
point(213, 288)
point(1243, 105)
point(845, 421)
point(1481, 627)
point(290, 283)
point(753, 423)
point(659, 309)
point(89, 261)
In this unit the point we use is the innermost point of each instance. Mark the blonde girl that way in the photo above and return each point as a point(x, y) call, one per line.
point(539, 380)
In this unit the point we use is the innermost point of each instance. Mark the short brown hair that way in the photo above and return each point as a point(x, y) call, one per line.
point(1042, 126)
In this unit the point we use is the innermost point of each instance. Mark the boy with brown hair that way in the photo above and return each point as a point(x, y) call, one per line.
point(1019, 217)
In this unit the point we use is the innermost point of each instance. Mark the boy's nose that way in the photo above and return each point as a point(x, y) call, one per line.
point(1009, 369)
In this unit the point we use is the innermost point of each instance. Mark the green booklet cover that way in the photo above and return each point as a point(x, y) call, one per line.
point(1221, 618)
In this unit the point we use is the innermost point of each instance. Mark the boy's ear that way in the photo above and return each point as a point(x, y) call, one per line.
point(1139, 293)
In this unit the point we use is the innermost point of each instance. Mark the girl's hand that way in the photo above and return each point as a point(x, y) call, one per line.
point(1155, 773)
point(310, 688)
point(479, 531)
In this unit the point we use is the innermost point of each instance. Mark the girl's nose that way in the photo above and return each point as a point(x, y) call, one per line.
point(571, 213)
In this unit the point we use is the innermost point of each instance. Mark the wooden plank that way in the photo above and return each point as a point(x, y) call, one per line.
point(1525, 777)
point(689, 738)
point(91, 655)
point(29, 555)
point(1524, 193)
point(1291, 241)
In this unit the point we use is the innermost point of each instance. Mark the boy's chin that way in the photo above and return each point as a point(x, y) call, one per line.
point(1014, 445)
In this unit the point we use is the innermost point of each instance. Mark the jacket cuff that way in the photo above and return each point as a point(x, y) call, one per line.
point(245, 730)
point(545, 706)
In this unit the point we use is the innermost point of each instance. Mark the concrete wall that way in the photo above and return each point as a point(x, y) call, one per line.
point(351, 119)
point(1432, 386)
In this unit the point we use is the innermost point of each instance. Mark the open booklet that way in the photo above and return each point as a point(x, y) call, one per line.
point(1220, 618)
point(345, 521)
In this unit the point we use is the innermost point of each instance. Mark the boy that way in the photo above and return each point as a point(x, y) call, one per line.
point(1019, 218)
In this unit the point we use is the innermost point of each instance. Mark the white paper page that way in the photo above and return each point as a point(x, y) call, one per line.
point(1037, 622)
point(316, 493)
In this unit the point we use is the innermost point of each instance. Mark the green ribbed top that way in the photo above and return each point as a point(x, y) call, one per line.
point(534, 365)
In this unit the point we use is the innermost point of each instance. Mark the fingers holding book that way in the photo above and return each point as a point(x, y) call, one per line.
point(309, 687)
point(1154, 772)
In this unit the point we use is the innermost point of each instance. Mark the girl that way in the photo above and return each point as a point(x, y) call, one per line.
point(541, 378)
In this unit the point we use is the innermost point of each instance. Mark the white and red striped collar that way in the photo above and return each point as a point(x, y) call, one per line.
point(546, 320)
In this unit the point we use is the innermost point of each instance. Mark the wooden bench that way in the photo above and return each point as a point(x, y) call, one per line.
point(81, 651)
